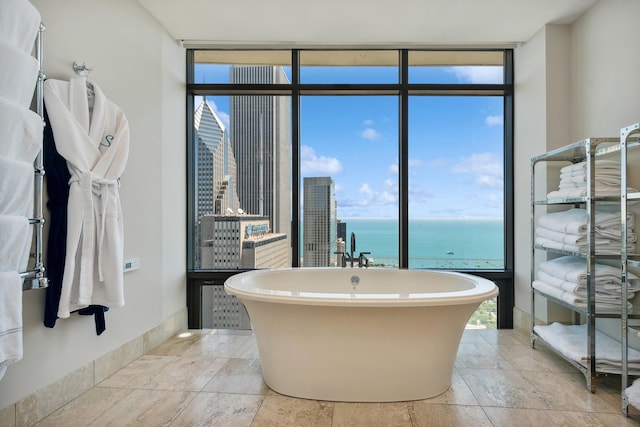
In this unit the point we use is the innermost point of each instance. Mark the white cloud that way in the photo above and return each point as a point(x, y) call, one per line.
point(494, 120)
point(366, 190)
point(388, 196)
point(487, 168)
point(368, 122)
point(370, 133)
point(311, 163)
point(478, 75)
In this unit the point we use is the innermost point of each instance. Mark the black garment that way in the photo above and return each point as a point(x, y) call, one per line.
point(57, 179)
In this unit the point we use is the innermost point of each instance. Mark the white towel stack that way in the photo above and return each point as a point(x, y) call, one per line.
point(20, 141)
point(567, 231)
point(573, 180)
point(565, 278)
point(571, 341)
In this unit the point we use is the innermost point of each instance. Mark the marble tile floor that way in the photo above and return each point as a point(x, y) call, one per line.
point(213, 378)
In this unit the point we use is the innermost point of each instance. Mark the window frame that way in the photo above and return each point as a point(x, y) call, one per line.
point(403, 89)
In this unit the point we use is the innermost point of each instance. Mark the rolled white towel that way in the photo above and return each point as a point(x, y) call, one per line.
point(20, 131)
point(15, 244)
point(18, 74)
point(19, 23)
point(10, 319)
point(16, 188)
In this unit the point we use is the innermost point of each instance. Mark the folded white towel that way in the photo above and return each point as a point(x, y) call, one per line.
point(599, 180)
point(19, 23)
point(10, 319)
point(571, 341)
point(599, 164)
point(16, 188)
point(600, 190)
point(609, 291)
point(15, 243)
point(605, 173)
point(574, 221)
point(18, 74)
point(581, 239)
point(604, 303)
point(574, 269)
point(609, 248)
point(20, 132)
point(633, 393)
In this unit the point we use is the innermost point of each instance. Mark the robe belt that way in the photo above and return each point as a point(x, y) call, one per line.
point(91, 186)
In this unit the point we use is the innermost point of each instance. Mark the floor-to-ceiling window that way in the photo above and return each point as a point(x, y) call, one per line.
point(386, 158)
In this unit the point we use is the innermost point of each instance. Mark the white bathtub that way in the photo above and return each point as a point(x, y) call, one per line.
point(393, 336)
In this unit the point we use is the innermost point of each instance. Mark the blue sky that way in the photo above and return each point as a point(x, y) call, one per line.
point(455, 145)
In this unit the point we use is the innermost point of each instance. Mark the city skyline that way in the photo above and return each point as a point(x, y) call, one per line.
point(455, 149)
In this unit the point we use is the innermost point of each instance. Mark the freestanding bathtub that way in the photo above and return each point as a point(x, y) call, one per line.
point(358, 335)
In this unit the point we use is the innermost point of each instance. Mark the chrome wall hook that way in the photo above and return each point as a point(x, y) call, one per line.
point(81, 69)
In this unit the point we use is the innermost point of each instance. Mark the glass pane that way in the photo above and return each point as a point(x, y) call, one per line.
point(343, 67)
point(349, 179)
point(242, 158)
point(456, 67)
point(485, 317)
point(242, 66)
point(456, 182)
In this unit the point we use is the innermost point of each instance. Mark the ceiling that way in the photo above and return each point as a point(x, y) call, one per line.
point(406, 23)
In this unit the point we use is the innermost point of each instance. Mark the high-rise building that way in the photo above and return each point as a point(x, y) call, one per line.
point(216, 174)
point(241, 241)
point(319, 218)
point(216, 169)
point(260, 127)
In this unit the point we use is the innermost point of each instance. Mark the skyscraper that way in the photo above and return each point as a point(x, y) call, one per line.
point(260, 127)
point(216, 170)
point(319, 218)
point(215, 178)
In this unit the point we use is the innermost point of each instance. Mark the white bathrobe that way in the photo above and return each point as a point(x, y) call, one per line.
point(92, 134)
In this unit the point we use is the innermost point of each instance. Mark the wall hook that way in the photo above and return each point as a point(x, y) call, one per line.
point(81, 69)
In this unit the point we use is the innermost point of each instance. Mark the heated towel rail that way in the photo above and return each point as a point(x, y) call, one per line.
point(36, 278)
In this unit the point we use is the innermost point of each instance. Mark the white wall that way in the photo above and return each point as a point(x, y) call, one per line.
point(141, 69)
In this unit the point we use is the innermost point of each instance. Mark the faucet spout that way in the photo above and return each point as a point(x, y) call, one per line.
point(353, 247)
point(363, 261)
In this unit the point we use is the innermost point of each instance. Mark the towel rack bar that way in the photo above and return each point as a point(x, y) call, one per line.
point(37, 274)
point(37, 280)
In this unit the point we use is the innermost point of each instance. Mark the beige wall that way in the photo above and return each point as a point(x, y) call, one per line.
point(572, 82)
point(141, 69)
point(542, 98)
